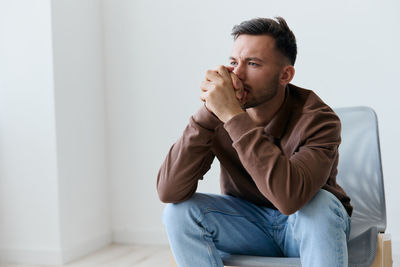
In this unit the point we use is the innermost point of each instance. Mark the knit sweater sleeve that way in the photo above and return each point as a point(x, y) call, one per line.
point(288, 181)
point(188, 159)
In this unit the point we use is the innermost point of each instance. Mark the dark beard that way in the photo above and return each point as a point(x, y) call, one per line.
point(271, 91)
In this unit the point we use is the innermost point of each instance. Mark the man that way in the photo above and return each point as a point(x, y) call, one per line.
point(278, 149)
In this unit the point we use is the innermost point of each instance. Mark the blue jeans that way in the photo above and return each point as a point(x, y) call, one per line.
point(204, 227)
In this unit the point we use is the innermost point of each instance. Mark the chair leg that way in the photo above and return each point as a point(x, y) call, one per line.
point(383, 256)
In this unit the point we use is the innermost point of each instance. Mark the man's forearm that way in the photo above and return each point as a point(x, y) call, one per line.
point(288, 181)
point(188, 159)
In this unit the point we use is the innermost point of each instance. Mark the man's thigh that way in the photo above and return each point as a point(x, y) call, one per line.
point(235, 225)
point(322, 224)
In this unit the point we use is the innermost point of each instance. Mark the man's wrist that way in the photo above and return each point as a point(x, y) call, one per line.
point(232, 114)
point(206, 118)
point(239, 125)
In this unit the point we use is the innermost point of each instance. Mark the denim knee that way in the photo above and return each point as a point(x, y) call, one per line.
point(322, 204)
point(323, 209)
point(175, 214)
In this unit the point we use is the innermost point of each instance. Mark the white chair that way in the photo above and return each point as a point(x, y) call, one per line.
point(360, 174)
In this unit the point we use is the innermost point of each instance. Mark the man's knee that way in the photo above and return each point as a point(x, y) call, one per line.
point(323, 208)
point(178, 213)
point(321, 202)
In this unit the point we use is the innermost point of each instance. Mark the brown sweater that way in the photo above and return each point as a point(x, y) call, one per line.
point(282, 165)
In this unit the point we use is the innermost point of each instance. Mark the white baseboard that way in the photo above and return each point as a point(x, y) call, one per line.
point(50, 256)
point(140, 236)
point(45, 256)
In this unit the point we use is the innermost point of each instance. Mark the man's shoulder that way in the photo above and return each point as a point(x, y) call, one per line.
point(310, 114)
point(307, 102)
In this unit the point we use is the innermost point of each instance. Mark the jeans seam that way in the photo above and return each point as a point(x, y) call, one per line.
point(259, 224)
point(203, 233)
point(340, 213)
point(202, 236)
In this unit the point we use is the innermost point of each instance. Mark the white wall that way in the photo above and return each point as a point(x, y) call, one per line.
point(57, 147)
point(54, 191)
point(156, 56)
point(80, 126)
point(29, 214)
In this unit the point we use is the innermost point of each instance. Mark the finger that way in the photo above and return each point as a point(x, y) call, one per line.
point(239, 95)
point(222, 70)
point(203, 96)
point(212, 75)
point(230, 68)
point(206, 86)
point(244, 98)
point(237, 83)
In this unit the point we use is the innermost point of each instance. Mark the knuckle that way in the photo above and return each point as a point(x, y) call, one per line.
point(218, 68)
point(209, 72)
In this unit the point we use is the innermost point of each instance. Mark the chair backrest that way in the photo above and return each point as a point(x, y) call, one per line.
point(360, 168)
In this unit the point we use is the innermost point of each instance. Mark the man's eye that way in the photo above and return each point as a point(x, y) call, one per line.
point(233, 63)
point(253, 64)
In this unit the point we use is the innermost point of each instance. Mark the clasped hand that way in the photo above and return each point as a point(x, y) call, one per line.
point(223, 93)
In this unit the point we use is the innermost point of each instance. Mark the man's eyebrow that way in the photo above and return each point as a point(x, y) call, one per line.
point(254, 59)
point(249, 59)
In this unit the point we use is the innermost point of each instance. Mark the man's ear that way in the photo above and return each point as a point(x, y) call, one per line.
point(287, 75)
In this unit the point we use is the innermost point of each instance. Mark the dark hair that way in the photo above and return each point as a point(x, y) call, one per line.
point(285, 41)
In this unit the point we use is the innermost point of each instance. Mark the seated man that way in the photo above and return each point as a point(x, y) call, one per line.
point(278, 149)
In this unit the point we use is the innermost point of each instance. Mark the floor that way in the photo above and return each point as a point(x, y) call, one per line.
point(126, 256)
point(118, 256)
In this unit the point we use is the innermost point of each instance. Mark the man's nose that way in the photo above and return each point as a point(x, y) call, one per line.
point(240, 71)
